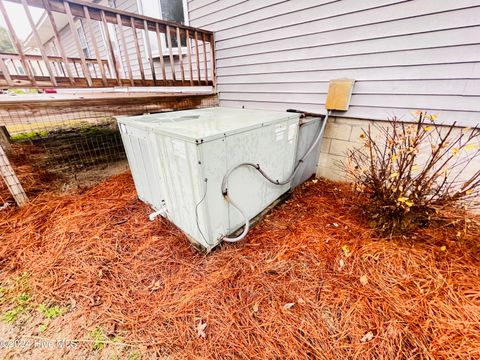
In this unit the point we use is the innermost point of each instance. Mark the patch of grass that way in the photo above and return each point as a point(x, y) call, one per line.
point(98, 338)
point(134, 355)
point(43, 327)
point(3, 295)
point(50, 312)
point(23, 299)
point(29, 135)
point(22, 302)
point(11, 316)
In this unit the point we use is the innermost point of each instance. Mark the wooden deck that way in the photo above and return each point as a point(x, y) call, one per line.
point(186, 55)
point(26, 113)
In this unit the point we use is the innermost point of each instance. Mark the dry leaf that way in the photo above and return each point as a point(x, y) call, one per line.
point(341, 263)
point(367, 337)
point(155, 285)
point(201, 329)
point(364, 279)
point(288, 306)
point(443, 248)
point(255, 307)
point(346, 250)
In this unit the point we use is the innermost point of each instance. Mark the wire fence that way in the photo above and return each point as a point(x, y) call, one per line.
point(68, 137)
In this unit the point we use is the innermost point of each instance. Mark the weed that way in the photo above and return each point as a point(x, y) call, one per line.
point(50, 312)
point(3, 295)
point(21, 305)
point(23, 299)
point(11, 316)
point(43, 327)
point(99, 339)
point(134, 355)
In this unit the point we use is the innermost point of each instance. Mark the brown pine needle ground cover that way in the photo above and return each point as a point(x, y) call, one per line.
point(310, 281)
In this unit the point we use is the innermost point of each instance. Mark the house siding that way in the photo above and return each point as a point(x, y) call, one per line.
point(405, 55)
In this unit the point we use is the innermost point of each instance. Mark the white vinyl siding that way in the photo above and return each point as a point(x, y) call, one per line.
point(405, 55)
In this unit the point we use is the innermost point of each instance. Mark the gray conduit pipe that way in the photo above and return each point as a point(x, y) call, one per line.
point(275, 182)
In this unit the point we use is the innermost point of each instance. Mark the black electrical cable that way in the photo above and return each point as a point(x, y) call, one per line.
point(196, 210)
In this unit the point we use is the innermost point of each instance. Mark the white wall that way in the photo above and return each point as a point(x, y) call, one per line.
point(405, 55)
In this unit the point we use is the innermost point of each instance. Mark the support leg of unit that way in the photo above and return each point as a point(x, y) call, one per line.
point(11, 179)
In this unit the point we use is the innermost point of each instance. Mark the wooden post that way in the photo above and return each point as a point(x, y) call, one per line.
point(205, 58)
point(4, 138)
point(58, 42)
point(18, 45)
point(189, 54)
point(137, 50)
point(212, 62)
point(125, 49)
point(11, 179)
point(180, 56)
point(110, 49)
point(95, 45)
point(76, 37)
point(170, 51)
point(149, 52)
point(40, 46)
point(199, 76)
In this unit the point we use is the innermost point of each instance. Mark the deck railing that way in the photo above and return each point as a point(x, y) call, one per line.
point(129, 49)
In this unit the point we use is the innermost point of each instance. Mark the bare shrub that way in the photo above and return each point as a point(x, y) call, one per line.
point(412, 171)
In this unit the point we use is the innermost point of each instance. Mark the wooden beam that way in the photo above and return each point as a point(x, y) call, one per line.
point(5, 72)
point(58, 41)
point(110, 49)
point(160, 53)
point(20, 109)
point(125, 49)
point(5, 138)
point(17, 43)
point(73, 29)
point(137, 50)
point(180, 56)
point(95, 45)
point(170, 51)
point(212, 61)
point(149, 52)
point(205, 56)
point(189, 54)
point(40, 46)
point(11, 179)
point(197, 53)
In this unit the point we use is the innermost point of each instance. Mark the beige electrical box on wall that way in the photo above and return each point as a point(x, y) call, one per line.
point(339, 94)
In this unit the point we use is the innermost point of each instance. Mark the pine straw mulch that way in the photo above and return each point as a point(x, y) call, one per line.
point(34, 180)
point(310, 281)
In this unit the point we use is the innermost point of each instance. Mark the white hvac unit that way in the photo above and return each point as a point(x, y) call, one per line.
point(179, 160)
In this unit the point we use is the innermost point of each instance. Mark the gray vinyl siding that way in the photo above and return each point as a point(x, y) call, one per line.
point(405, 55)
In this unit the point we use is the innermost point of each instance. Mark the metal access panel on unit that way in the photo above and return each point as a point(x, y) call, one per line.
point(178, 161)
point(308, 131)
